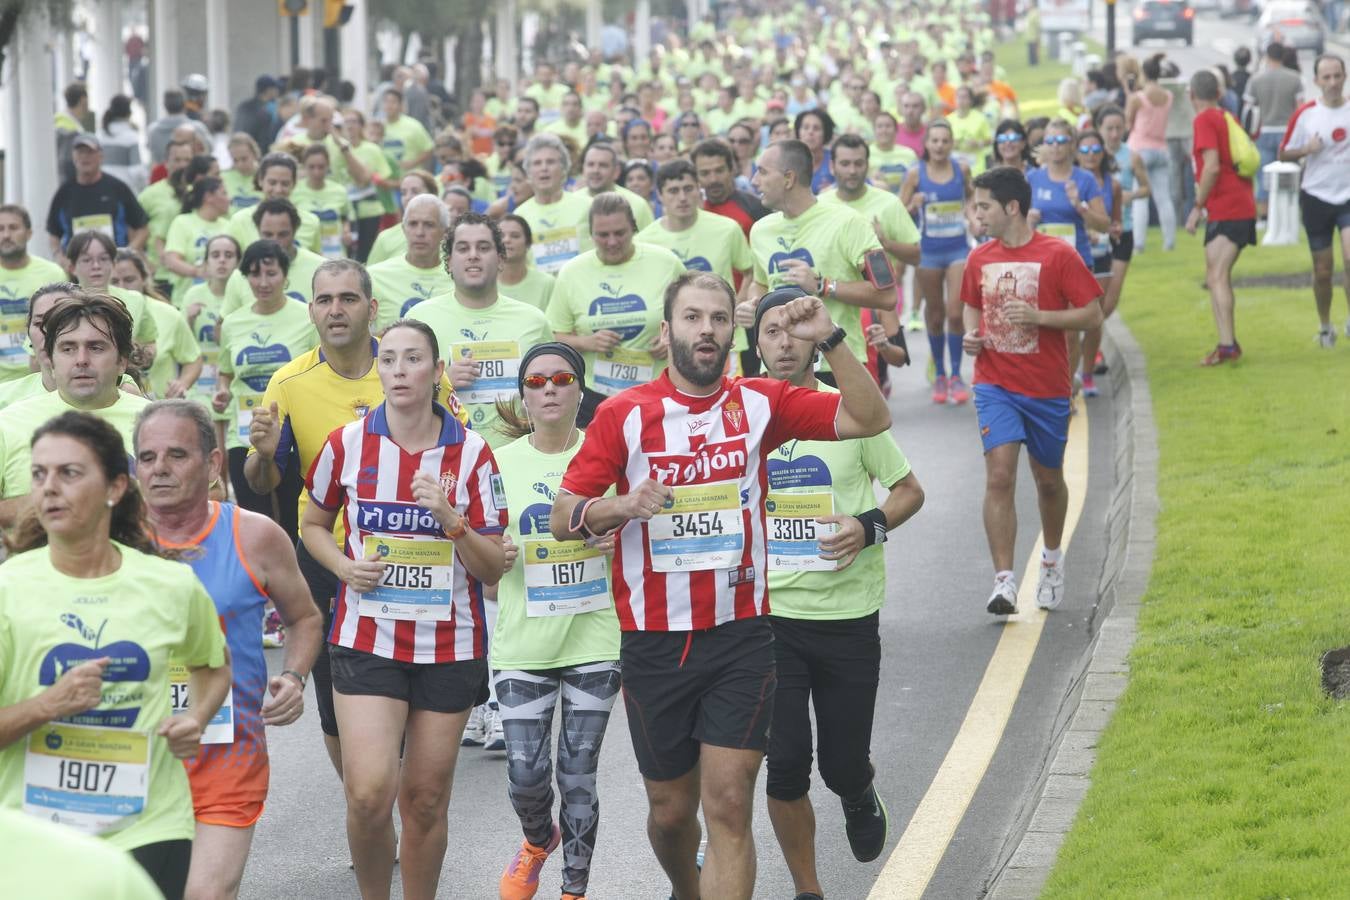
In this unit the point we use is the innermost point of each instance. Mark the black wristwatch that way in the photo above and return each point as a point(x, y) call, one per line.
point(834, 340)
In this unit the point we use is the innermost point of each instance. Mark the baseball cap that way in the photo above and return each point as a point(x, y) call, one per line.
point(85, 139)
point(774, 103)
point(197, 83)
point(266, 82)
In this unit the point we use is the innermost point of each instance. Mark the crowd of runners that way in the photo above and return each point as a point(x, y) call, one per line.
point(581, 394)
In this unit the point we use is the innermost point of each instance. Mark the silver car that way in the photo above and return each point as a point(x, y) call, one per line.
point(1293, 24)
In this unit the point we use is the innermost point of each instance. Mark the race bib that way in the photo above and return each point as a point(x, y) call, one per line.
point(554, 247)
point(701, 529)
point(621, 369)
point(92, 779)
point(418, 580)
point(243, 414)
point(220, 730)
point(498, 367)
point(100, 222)
point(206, 382)
point(1065, 231)
point(563, 579)
point(944, 219)
point(1101, 243)
point(794, 534)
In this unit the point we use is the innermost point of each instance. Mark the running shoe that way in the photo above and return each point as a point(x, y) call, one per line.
point(1050, 589)
point(567, 896)
point(1347, 328)
point(1003, 601)
point(957, 390)
point(940, 389)
point(808, 895)
point(1099, 366)
point(1326, 336)
point(494, 737)
point(866, 823)
point(1090, 386)
point(520, 881)
point(274, 633)
point(1221, 354)
point(915, 322)
point(473, 729)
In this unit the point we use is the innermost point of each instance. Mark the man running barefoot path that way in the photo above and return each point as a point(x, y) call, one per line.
point(1022, 292)
point(687, 453)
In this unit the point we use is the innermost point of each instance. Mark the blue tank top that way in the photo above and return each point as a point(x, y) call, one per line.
point(1059, 217)
point(943, 216)
point(218, 560)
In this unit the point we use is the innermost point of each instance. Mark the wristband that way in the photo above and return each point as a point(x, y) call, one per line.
point(578, 522)
point(874, 526)
point(296, 675)
point(834, 340)
point(820, 285)
point(458, 532)
point(898, 340)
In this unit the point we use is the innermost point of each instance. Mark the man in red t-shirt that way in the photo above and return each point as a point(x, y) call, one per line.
point(1226, 200)
point(687, 454)
point(1022, 291)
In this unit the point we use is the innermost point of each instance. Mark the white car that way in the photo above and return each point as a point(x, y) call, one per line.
point(1294, 24)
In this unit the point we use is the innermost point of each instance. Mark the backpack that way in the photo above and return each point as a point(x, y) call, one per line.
point(1241, 148)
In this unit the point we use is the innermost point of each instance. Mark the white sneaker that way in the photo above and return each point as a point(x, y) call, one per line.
point(494, 736)
point(1347, 328)
point(1003, 601)
point(1326, 336)
point(474, 733)
point(1050, 589)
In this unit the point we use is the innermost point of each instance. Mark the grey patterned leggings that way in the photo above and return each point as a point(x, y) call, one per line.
point(526, 701)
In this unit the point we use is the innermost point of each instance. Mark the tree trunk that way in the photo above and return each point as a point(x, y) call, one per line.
point(468, 61)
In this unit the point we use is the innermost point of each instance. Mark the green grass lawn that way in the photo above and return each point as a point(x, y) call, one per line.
point(1224, 771)
point(1037, 87)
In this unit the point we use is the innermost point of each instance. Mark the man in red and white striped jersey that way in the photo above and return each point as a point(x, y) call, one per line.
point(686, 454)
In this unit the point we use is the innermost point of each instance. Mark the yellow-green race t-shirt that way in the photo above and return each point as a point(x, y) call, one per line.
point(22, 419)
point(139, 616)
point(497, 337)
point(399, 286)
point(252, 347)
point(16, 285)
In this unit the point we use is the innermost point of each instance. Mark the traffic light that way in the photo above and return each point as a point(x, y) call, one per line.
point(335, 13)
point(292, 7)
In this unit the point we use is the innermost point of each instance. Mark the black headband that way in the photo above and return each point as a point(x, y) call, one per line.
point(552, 348)
point(779, 297)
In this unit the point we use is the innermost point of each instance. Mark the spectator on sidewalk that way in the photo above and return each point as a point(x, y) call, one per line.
point(1276, 92)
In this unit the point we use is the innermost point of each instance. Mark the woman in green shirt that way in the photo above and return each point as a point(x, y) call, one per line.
point(206, 211)
point(178, 362)
point(88, 737)
point(201, 307)
point(238, 179)
point(557, 635)
point(255, 341)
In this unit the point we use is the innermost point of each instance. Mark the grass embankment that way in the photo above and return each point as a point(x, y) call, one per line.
point(1037, 87)
point(1224, 770)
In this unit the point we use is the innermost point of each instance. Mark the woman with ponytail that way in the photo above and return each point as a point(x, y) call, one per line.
point(557, 636)
point(91, 619)
point(206, 211)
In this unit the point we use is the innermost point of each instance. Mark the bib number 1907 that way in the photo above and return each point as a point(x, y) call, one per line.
point(86, 776)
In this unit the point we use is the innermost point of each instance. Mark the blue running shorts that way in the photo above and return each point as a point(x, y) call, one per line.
point(1039, 422)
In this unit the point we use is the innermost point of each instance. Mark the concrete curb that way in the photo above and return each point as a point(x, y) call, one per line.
point(1131, 535)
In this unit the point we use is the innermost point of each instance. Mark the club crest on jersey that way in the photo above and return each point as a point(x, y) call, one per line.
point(360, 409)
point(448, 483)
point(733, 417)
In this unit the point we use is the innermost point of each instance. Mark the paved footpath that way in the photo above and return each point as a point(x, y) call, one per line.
point(938, 644)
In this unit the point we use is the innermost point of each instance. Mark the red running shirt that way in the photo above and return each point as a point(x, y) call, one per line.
point(1232, 197)
point(1047, 273)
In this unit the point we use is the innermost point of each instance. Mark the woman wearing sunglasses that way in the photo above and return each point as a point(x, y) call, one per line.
point(1066, 201)
point(1092, 158)
point(1010, 147)
point(557, 636)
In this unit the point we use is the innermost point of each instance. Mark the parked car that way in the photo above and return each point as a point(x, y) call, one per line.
point(1164, 20)
point(1294, 24)
point(1229, 9)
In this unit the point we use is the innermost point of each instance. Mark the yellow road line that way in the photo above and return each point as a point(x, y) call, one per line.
point(915, 858)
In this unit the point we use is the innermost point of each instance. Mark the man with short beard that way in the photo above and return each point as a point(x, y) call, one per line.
point(20, 275)
point(687, 454)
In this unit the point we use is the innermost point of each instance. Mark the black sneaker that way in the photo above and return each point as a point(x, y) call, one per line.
point(808, 895)
point(866, 824)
